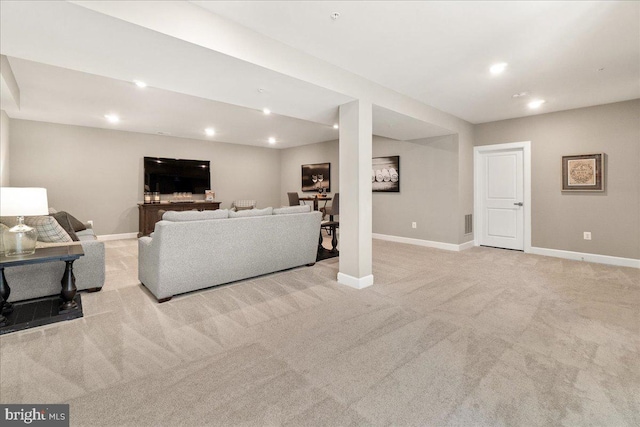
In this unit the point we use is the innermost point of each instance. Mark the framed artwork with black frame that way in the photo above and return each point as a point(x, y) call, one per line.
point(385, 174)
point(584, 172)
point(316, 177)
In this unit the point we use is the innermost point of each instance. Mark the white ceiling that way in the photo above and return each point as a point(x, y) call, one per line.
point(74, 65)
point(439, 52)
point(60, 95)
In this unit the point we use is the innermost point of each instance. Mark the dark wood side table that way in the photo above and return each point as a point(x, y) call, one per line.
point(148, 212)
point(68, 254)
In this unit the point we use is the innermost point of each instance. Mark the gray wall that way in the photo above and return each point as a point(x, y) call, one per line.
point(98, 174)
point(559, 219)
point(428, 185)
point(293, 158)
point(428, 190)
point(4, 149)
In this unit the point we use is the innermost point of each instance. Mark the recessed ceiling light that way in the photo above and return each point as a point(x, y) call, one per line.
point(536, 104)
point(498, 68)
point(210, 131)
point(140, 83)
point(266, 111)
point(272, 140)
point(335, 126)
point(112, 118)
point(519, 94)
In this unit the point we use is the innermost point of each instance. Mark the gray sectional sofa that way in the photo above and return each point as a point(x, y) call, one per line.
point(197, 250)
point(41, 280)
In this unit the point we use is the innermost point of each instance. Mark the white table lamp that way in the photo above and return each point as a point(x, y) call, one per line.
point(20, 202)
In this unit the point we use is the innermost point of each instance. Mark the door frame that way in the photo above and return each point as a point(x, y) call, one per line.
point(525, 146)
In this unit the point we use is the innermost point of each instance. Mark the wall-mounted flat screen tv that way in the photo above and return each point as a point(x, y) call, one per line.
point(168, 176)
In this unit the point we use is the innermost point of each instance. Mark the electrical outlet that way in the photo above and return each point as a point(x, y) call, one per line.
point(414, 225)
point(90, 222)
point(587, 235)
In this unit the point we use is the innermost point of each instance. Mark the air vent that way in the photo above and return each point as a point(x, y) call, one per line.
point(468, 224)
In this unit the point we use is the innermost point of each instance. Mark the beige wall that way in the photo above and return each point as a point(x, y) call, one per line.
point(428, 185)
point(4, 149)
point(428, 190)
point(559, 219)
point(293, 158)
point(98, 174)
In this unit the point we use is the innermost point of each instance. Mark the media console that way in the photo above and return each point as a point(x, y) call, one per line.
point(148, 212)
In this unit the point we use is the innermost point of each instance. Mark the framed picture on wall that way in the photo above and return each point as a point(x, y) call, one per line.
point(316, 177)
point(583, 172)
point(385, 174)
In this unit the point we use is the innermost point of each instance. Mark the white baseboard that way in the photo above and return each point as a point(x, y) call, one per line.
point(581, 256)
point(121, 236)
point(467, 245)
point(426, 243)
point(355, 282)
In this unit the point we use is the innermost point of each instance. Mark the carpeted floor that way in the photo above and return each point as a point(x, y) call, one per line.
point(481, 337)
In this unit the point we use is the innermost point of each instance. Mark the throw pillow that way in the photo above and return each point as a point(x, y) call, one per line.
point(9, 221)
point(195, 215)
point(76, 223)
point(63, 219)
point(292, 210)
point(48, 229)
point(251, 212)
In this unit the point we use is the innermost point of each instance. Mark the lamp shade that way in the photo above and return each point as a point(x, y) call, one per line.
point(23, 201)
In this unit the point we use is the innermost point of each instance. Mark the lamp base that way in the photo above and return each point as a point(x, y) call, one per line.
point(20, 239)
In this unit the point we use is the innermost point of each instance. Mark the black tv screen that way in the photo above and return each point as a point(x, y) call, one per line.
point(176, 175)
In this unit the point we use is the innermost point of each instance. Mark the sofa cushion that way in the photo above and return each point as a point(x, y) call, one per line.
point(48, 229)
point(292, 210)
point(251, 212)
point(195, 215)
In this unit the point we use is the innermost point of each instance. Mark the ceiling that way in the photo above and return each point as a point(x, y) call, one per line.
point(440, 52)
point(59, 95)
point(74, 65)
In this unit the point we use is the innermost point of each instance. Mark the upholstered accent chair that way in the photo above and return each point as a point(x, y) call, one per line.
point(240, 205)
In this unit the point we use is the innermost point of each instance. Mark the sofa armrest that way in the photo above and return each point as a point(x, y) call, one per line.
point(91, 274)
point(148, 264)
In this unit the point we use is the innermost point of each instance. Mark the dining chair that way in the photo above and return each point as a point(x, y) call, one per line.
point(334, 209)
point(294, 199)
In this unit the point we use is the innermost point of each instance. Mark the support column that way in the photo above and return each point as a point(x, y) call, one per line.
point(356, 126)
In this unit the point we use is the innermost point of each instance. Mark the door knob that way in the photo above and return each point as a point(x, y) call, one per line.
point(518, 204)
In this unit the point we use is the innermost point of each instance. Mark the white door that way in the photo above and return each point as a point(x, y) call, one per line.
point(502, 199)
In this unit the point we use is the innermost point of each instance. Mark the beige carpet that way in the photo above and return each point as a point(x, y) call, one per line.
point(481, 337)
